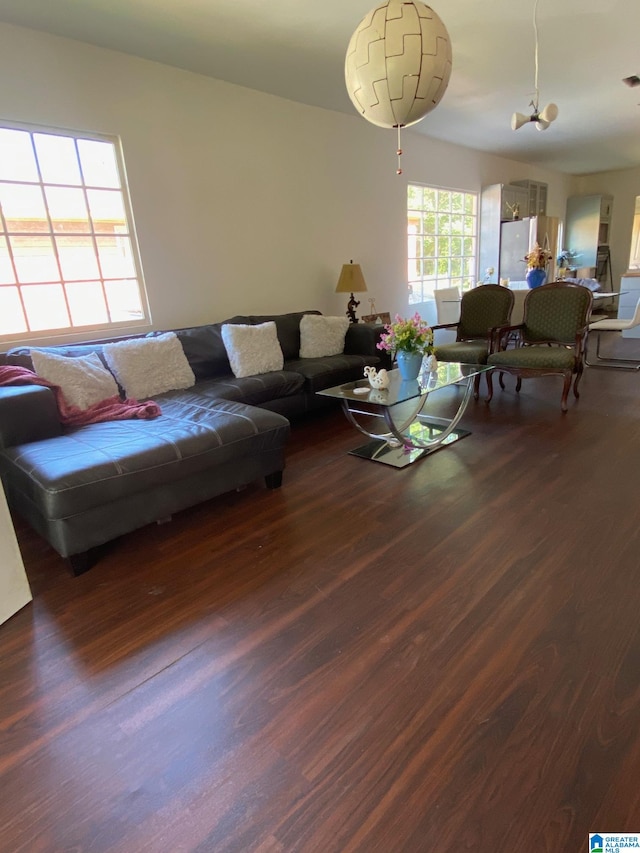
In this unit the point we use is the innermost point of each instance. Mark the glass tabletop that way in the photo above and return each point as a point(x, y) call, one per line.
point(448, 373)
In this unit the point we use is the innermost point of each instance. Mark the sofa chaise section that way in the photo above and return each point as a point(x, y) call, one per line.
point(94, 483)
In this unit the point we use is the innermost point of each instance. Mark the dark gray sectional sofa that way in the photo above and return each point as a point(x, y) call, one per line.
point(84, 486)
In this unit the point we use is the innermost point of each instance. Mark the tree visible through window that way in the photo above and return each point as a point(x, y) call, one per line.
point(442, 240)
point(68, 256)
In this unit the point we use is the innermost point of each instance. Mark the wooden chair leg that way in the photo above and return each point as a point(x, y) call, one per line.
point(519, 384)
point(476, 386)
point(576, 381)
point(565, 390)
point(501, 380)
point(489, 376)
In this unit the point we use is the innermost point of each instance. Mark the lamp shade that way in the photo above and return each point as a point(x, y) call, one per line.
point(549, 113)
point(518, 120)
point(351, 279)
point(398, 63)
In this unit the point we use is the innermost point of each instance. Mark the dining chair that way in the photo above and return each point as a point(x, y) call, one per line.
point(481, 310)
point(447, 305)
point(613, 325)
point(549, 341)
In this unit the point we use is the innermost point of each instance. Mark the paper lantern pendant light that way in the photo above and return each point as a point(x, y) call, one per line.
point(398, 64)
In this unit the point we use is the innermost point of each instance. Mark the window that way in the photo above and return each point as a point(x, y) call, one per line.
point(442, 240)
point(68, 255)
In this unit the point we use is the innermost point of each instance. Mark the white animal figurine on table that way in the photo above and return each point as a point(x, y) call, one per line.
point(378, 379)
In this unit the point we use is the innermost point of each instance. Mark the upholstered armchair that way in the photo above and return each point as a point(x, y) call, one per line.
point(550, 341)
point(481, 310)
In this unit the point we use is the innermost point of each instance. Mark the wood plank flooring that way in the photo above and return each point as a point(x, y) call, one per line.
point(366, 660)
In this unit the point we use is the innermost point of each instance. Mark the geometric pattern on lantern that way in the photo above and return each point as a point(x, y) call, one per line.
point(398, 63)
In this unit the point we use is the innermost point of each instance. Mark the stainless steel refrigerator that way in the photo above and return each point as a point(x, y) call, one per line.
point(516, 238)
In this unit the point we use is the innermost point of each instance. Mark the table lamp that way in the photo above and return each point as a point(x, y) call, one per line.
point(351, 281)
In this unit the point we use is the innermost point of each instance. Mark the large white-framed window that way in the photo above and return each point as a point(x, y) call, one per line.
point(442, 229)
point(69, 259)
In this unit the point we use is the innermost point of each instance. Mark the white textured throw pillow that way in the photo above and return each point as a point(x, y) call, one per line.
point(252, 349)
point(320, 335)
point(148, 366)
point(84, 381)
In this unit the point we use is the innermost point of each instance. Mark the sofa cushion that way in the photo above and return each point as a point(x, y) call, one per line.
point(321, 373)
point(83, 381)
point(468, 352)
point(252, 350)
point(288, 328)
point(145, 367)
point(321, 335)
point(539, 357)
point(21, 356)
point(204, 349)
point(254, 390)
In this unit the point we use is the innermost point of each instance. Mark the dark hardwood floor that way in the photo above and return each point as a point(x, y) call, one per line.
point(441, 658)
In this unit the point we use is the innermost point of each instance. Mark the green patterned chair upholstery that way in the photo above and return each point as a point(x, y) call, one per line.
point(481, 310)
point(550, 340)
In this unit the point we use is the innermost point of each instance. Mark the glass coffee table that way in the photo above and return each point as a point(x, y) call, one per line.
point(410, 435)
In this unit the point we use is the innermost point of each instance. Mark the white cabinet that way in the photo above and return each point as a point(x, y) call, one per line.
point(536, 197)
point(515, 202)
point(587, 224)
point(627, 302)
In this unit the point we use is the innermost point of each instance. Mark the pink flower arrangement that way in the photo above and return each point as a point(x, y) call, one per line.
point(407, 335)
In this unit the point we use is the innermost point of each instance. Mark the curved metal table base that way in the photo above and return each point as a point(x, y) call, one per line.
point(414, 437)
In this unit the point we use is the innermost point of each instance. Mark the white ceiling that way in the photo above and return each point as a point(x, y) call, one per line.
point(296, 49)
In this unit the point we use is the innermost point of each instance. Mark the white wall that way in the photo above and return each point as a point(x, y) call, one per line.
point(243, 202)
point(14, 587)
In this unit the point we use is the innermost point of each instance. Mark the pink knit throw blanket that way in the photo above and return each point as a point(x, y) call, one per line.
point(111, 409)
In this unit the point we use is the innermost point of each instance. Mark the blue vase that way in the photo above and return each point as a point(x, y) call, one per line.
point(409, 365)
point(535, 277)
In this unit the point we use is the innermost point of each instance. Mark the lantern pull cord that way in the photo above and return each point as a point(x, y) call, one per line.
point(399, 152)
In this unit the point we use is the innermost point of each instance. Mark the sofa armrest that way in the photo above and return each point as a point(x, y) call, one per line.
point(27, 413)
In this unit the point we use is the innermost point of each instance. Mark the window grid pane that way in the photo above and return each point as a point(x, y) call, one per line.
point(442, 240)
point(67, 247)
